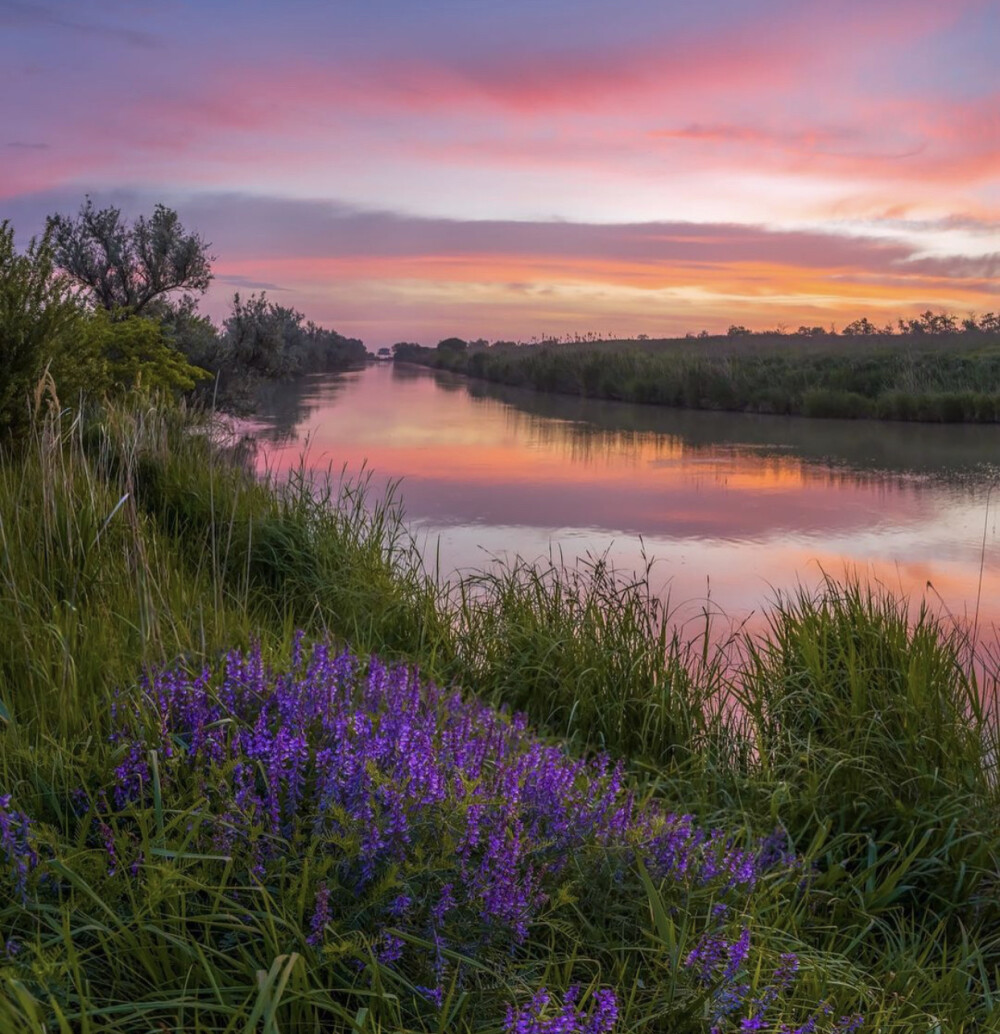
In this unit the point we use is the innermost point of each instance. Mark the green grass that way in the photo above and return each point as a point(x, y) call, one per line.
point(134, 538)
point(938, 379)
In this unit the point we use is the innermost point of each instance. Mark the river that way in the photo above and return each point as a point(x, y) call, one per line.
point(731, 508)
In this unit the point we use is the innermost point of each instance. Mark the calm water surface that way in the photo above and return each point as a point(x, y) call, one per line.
point(731, 508)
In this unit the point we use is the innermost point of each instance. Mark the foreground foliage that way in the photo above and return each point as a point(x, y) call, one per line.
point(87, 310)
point(394, 834)
point(208, 824)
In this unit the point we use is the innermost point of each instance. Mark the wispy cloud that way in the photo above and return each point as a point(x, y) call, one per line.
point(17, 14)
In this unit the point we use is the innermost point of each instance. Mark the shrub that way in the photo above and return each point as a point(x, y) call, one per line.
point(38, 315)
point(132, 354)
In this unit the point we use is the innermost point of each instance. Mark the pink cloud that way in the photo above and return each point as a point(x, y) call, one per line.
point(759, 97)
point(539, 80)
point(810, 115)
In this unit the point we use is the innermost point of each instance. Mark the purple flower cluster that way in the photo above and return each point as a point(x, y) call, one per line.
point(16, 844)
point(385, 758)
point(719, 964)
point(542, 1016)
point(373, 771)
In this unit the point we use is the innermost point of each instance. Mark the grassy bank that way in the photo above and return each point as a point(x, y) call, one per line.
point(206, 825)
point(941, 378)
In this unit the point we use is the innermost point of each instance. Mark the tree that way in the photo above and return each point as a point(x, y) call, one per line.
point(192, 334)
point(125, 267)
point(406, 351)
point(38, 315)
point(272, 341)
point(862, 327)
point(939, 322)
point(123, 356)
point(930, 323)
point(262, 338)
point(455, 345)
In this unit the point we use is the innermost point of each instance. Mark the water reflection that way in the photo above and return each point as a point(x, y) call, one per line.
point(730, 506)
point(289, 405)
point(953, 452)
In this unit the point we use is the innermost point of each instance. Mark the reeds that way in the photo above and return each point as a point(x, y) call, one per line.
point(946, 380)
point(591, 654)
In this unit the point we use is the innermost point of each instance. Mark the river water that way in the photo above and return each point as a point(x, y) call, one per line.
point(731, 508)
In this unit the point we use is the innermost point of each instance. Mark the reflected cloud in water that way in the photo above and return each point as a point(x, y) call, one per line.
point(735, 505)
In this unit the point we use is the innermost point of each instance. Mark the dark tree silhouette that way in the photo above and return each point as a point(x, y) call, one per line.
point(124, 267)
point(862, 327)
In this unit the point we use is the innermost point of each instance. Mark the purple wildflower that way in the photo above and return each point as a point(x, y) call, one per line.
point(737, 953)
point(390, 949)
point(434, 995)
point(379, 769)
point(605, 1014)
point(16, 844)
point(849, 1024)
point(540, 1016)
point(320, 916)
point(401, 904)
point(108, 839)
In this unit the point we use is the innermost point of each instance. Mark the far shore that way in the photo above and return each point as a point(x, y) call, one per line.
point(947, 378)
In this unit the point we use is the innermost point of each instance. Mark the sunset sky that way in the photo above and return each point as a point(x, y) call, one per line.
point(408, 170)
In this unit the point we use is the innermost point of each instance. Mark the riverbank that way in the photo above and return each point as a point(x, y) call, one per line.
point(933, 378)
point(174, 864)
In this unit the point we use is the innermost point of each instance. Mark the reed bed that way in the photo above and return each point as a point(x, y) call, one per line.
point(946, 379)
point(261, 770)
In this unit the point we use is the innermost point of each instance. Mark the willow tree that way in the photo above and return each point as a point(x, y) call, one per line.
point(123, 266)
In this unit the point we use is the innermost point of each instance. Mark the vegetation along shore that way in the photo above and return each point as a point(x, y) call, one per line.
point(259, 768)
point(933, 368)
point(262, 770)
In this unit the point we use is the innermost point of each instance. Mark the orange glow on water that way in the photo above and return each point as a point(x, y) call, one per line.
point(489, 476)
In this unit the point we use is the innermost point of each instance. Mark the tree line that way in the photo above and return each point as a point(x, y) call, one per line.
point(104, 305)
point(927, 324)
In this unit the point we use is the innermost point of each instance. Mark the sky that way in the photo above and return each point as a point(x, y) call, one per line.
point(414, 169)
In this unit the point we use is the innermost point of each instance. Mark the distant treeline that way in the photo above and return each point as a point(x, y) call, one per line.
point(258, 341)
point(942, 372)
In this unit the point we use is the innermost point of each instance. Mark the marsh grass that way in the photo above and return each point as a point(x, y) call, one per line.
point(133, 539)
point(91, 592)
point(590, 654)
point(873, 728)
point(947, 379)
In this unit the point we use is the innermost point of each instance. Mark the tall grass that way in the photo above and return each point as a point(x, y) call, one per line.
point(129, 541)
point(591, 655)
point(134, 539)
point(873, 727)
point(91, 591)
